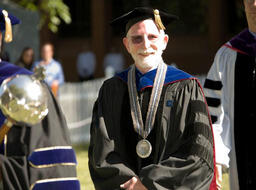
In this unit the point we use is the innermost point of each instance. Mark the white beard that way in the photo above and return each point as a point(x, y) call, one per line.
point(150, 62)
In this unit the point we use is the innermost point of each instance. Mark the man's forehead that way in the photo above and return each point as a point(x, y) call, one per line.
point(147, 26)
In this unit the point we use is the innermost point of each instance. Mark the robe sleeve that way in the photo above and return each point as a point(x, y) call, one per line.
point(218, 91)
point(108, 168)
point(39, 156)
point(190, 165)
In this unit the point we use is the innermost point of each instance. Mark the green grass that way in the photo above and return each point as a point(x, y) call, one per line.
point(84, 175)
point(82, 167)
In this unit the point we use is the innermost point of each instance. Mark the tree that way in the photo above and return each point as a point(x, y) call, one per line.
point(51, 11)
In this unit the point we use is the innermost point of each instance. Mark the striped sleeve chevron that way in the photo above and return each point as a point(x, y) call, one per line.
point(50, 158)
point(218, 89)
point(215, 83)
point(213, 100)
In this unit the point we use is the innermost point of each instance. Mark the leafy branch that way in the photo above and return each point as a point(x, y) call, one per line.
point(51, 11)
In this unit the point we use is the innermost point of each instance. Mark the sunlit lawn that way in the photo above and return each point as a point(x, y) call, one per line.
point(82, 167)
point(84, 175)
point(225, 183)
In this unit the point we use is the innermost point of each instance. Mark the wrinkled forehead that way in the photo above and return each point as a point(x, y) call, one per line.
point(147, 26)
point(250, 7)
point(249, 2)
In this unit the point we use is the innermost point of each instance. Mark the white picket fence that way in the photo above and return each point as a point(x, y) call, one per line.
point(77, 100)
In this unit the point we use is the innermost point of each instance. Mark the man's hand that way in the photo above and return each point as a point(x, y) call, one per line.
point(55, 87)
point(133, 184)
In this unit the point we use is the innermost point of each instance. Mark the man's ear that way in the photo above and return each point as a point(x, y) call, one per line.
point(125, 42)
point(165, 41)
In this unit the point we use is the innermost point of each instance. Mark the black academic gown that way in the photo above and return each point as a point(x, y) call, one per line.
point(182, 143)
point(37, 156)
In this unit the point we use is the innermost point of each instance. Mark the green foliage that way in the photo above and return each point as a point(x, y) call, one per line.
point(51, 11)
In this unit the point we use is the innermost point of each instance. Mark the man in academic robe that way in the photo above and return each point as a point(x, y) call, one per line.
point(35, 156)
point(150, 127)
point(230, 89)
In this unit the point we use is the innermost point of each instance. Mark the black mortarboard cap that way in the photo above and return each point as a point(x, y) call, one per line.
point(142, 13)
point(6, 22)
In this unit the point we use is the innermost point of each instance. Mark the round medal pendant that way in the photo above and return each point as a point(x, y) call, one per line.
point(143, 148)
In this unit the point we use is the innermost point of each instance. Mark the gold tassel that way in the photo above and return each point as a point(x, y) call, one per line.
point(8, 27)
point(158, 21)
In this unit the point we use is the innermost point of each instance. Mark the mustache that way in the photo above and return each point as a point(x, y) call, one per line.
point(147, 51)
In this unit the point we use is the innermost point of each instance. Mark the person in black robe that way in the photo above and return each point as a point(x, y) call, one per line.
point(181, 139)
point(230, 89)
point(35, 156)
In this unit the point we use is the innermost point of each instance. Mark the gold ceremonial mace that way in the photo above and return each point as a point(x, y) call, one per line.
point(23, 99)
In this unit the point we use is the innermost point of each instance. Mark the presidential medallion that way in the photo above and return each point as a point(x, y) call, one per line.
point(143, 148)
